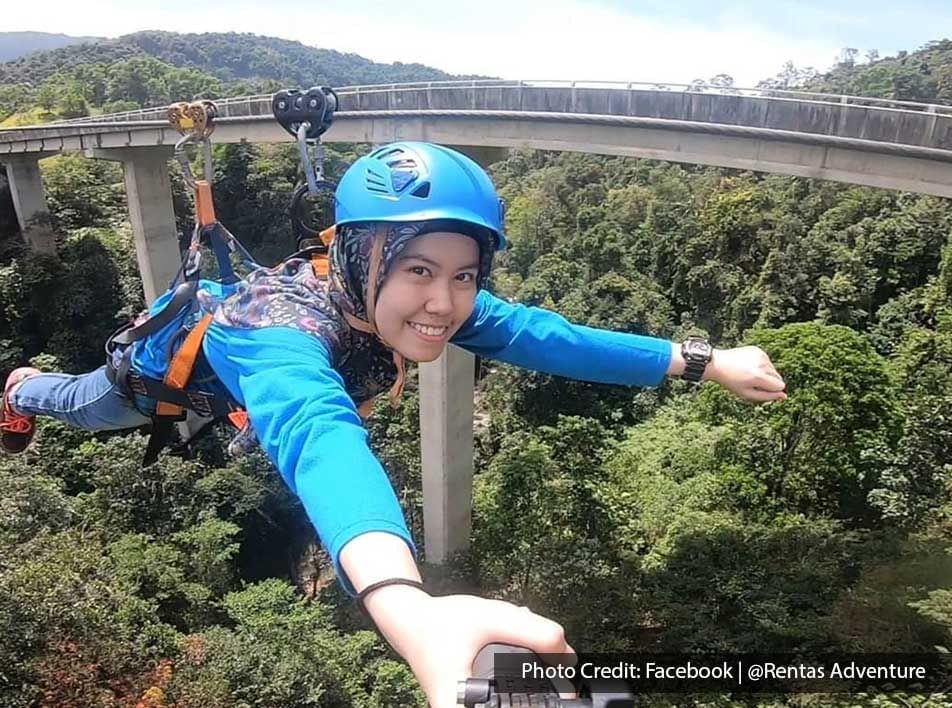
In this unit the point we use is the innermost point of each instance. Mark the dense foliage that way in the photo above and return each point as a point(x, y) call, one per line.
point(924, 75)
point(671, 518)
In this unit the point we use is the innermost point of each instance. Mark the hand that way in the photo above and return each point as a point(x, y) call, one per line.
point(442, 637)
point(746, 372)
point(439, 637)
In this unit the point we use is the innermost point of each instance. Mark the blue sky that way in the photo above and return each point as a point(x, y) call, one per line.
point(869, 24)
point(618, 40)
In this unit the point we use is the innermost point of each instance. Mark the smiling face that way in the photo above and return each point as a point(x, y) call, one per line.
point(428, 294)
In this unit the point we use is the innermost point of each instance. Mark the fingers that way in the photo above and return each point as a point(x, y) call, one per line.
point(542, 636)
point(769, 381)
point(761, 396)
point(518, 624)
point(749, 373)
point(760, 386)
point(521, 627)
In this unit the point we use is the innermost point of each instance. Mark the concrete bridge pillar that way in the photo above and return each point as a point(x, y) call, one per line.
point(446, 430)
point(485, 155)
point(29, 201)
point(149, 193)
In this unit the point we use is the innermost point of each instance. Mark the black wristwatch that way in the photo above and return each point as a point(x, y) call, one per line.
point(697, 353)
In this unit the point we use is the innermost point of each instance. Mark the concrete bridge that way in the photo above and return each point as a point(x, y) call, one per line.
point(890, 144)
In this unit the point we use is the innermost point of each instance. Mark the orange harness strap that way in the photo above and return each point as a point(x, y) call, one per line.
point(320, 261)
point(238, 418)
point(204, 204)
point(320, 264)
point(180, 370)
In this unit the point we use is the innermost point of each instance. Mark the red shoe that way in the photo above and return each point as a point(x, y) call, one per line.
point(16, 430)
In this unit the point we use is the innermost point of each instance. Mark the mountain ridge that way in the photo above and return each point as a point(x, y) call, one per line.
point(229, 56)
point(14, 45)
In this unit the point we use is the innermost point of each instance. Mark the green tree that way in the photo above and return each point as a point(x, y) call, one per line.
point(815, 452)
point(83, 193)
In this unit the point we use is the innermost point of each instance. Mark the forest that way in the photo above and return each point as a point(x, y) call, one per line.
point(668, 519)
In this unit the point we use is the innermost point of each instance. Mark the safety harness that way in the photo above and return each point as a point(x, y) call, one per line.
point(306, 115)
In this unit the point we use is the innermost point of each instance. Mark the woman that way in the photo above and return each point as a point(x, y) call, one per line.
point(417, 228)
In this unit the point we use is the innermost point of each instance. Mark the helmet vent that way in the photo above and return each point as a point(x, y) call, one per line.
point(376, 183)
point(402, 166)
point(402, 163)
point(423, 191)
point(402, 177)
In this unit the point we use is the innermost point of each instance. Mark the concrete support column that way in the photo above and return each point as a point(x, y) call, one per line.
point(149, 194)
point(446, 430)
point(29, 202)
point(485, 155)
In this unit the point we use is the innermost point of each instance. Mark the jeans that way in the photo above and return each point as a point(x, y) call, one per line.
point(88, 401)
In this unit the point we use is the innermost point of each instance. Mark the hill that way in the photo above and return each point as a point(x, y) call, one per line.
point(923, 75)
point(227, 56)
point(18, 44)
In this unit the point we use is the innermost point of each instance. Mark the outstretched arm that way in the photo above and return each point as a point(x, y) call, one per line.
point(542, 340)
point(309, 427)
point(440, 636)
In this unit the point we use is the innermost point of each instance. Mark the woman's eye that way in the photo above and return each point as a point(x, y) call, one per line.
point(419, 270)
point(466, 277)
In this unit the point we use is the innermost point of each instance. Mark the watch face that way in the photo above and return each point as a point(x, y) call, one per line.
point(697, 348)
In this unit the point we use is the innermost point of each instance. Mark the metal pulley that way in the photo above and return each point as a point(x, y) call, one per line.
point(316, 106)
point(307, 115)
point(195, 118)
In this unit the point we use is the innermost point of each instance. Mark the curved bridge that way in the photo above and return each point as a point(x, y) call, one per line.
point(891, 144)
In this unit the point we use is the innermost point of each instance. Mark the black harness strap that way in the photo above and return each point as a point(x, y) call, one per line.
point(163, 430)
point(203, 403)
point(130, 333)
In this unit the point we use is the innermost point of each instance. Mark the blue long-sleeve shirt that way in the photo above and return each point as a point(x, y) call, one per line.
point(310, 428)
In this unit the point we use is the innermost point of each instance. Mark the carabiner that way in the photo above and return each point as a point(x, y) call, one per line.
point(181, 154)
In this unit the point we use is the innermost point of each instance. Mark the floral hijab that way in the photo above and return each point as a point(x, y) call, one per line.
point(336, 308)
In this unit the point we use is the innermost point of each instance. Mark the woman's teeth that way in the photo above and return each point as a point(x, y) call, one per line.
point(428, 331)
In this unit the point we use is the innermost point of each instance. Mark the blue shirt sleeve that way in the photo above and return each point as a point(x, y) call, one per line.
point(542, 340)
point(310, 428)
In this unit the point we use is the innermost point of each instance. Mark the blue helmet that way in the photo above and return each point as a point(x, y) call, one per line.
point(413, 181)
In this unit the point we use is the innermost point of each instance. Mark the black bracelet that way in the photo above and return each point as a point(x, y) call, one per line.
point(381, 583)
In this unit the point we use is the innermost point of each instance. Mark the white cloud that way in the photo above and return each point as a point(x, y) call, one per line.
point(564, 39)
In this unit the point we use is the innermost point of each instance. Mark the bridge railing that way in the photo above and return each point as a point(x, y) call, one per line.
point(260, 103)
